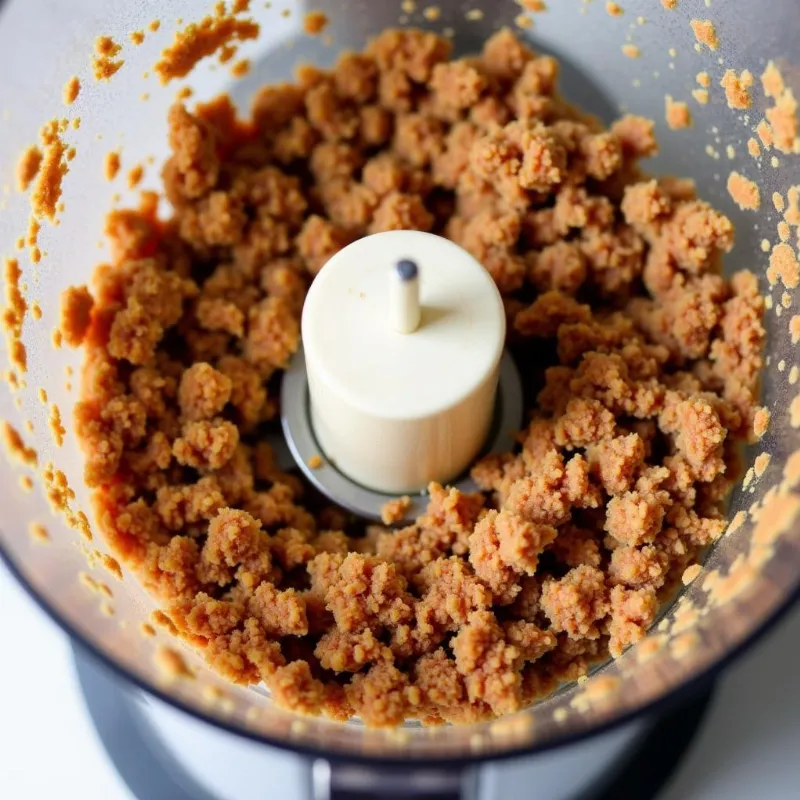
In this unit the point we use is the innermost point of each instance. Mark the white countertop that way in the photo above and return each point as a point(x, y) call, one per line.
point(749, 746)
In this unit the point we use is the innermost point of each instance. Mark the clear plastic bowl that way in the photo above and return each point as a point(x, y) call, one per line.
point(43, 43)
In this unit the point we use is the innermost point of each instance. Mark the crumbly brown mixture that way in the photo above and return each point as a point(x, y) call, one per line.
point(645, 363)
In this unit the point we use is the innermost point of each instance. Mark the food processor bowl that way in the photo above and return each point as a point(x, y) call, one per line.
point(754, 567)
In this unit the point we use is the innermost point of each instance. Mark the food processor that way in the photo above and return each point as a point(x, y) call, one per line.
point(610, 63)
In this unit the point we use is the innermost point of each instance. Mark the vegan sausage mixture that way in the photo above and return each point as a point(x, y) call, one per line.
point(647, 361)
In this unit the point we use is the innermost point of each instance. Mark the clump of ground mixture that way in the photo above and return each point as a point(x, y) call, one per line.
point(644, 359)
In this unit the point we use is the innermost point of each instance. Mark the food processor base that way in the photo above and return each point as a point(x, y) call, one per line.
point(162, 754)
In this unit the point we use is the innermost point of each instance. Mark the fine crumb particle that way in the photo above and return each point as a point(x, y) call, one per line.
point(88, 582)
point(704, 79)
point(737, 88)
point(701, 96)
point(474, 15)
point(111, 565)
point(184, 93)
point(783, 267)
point(682, 645)
point(39, 533)
point(28, 167)
point(761, 463)
point(136, 37)
point(794, 328)
point(163, 621)
point(690, 574)
point(560, 714)
point(761, 422)
point(154, 25)
point(614, 9)
point(705, 33)
point(670, 5)
point(764, 133)
point(649, 647)
point(774, 163)
point(794, 373)
point(395, 510)
point(753, 147)
point(46, 192)
point(241, 68)
point(212, 694)
point(111, 165)
point(42, 394)
point(523, 21)
point(315, 461)
point(26, 483)
point(772, 81)
point(783, 231)
point(171, 663)
point(791, 470)
point(534, 6)
point(678, 115)
point(738, 520)
point(315, 22)
point(135, 175)
point(75, 318)
point(432, 13)
point(792, 214)
point(744, 192)
point(199, 40)
point(631, 51)
point(107, 609)
point(730, 152)
point(147, 630)
point(71, 90)
point(15, 445)
point(105, 63)
point(778, 201)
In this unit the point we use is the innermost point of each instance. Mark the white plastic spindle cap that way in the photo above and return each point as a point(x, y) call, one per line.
point(403, 333)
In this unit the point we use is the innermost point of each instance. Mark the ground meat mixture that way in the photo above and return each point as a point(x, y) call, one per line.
point(643, 363)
